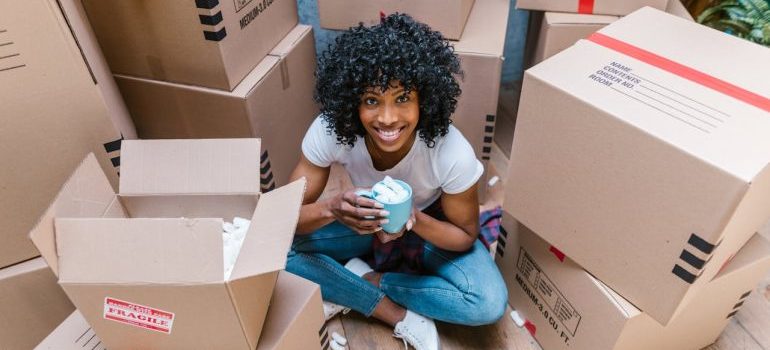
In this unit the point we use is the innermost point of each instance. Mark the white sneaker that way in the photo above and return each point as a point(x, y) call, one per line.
point(332, 309)
point(418, 330)
point(358, 266)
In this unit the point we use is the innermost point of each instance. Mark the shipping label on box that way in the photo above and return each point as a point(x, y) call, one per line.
point(138, 315)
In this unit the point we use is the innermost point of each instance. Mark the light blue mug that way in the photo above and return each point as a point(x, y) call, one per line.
point(399, 212)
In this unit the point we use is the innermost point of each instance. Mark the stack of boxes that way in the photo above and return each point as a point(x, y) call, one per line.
point(641, 165)
point(59, 102)
point(477, 29)
point(159, 281)
point(213, 69)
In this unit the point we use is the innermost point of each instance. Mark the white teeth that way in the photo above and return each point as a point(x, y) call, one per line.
point(389, 135)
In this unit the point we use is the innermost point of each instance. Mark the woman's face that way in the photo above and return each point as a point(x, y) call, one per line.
point(390, 117)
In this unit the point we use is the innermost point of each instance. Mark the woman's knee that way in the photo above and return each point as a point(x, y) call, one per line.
point(484, 305)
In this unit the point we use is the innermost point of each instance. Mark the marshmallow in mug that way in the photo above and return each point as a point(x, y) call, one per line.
point(389, 191)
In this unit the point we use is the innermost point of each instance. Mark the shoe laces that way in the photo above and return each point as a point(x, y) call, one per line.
point(399, 336)
point(407, 332)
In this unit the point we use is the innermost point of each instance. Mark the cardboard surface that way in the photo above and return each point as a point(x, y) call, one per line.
point(294, 321)
point(160, 281)
point(481, 59)
point(445, 16)
point(648, 196)
point(603, 7)
point(559, 31)
point(567, 308)
point(273, 102)
point(190, 166)
point(72, 334)
point(56, 113)
point(92, 54)
point(204, 43)
point(32, 304)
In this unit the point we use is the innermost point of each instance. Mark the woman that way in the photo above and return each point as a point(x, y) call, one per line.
point(386, 94)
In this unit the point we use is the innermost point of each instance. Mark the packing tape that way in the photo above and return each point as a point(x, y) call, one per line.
point(559, 255)
point(586, 6)
point(683, 71)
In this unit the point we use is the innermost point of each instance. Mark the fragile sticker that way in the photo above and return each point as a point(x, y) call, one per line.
point(138, 315)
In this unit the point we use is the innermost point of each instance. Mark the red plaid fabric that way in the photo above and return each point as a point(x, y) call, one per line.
point(405, 254)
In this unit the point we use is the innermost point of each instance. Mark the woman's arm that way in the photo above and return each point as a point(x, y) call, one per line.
point(346, 207)
point(462, 229)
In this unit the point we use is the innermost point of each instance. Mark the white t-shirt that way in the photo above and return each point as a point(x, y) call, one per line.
point(450, 166)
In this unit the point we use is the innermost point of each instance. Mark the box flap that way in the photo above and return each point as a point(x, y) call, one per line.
point(698, 101)
point(87, 193)
point(251, 298)
point(756, 251)
point(271, 232)
point(557, 18)
point(481, 35)
point(190, 166)
point(295, 314)
point(161, 251)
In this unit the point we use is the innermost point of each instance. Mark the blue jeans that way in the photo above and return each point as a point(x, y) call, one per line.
point(462, 288)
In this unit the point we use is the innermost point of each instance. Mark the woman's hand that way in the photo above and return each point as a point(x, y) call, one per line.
point(363, 215)
point(385, 237)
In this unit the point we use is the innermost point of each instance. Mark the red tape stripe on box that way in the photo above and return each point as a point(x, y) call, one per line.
point(688, 73)
point(558, 253)
point(530, 327)
point(586, 6)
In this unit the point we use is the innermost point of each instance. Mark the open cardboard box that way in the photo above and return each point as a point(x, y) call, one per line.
point(147, 268)
point(294, 321)
point(565, 307)
point(646, 163)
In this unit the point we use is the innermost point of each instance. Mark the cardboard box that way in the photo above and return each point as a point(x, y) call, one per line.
point(481, 59)
point(558, 31)
point(677, 8)
point(159, 280)
point(274, 102)
point(293, 321)
point(598, 7)
point(97, 65)
point(203, 42)
point(72, 334)
point(567, 308)
point(32, 304)
point(647, 164)
point(54, 113)
point(445, 16)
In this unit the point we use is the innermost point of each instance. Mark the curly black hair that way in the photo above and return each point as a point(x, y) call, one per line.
point(399, 49)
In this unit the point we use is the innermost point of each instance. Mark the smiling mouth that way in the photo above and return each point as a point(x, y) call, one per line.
point(389, 135)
